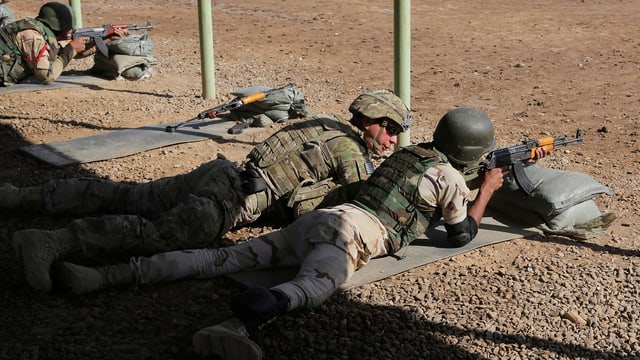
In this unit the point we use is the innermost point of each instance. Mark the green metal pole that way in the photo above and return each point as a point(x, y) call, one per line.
point(402, 58)
point(206, 49)
point(76, 7)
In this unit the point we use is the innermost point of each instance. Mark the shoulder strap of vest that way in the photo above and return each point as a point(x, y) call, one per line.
point(341, 128)
point(31, 24)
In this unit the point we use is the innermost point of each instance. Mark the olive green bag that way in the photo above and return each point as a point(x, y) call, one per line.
point(277, 106)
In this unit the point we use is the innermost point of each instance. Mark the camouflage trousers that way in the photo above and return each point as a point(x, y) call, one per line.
point(192, 210)
point(328, 246)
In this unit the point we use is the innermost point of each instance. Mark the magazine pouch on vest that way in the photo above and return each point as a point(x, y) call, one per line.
point(391, 194)
point(297, 152)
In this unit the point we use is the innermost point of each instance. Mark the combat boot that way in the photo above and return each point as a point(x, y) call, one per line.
point(259, 306)
point(24, 199)
point(38, 249)
point(81, 279)
point(228, 340)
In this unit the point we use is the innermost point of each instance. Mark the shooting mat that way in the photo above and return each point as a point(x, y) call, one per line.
point(119, 143)
point(424, 250)
point(71, 78)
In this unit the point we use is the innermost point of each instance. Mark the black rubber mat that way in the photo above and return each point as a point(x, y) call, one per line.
point(120, 143)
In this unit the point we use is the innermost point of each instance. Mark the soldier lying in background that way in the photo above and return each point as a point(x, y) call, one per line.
point(42, 46)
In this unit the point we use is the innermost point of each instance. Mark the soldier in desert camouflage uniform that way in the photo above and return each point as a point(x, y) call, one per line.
point(410, 192)
point(310, 163)
point(41, 47)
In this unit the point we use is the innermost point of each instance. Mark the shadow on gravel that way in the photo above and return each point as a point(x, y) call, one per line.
point(586, 244)
point(347, 329)
point(157, 322)
point(19, 169)
point(98, 87)
point(58, 122)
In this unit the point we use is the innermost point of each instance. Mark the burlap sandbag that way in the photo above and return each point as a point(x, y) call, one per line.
point(561, 202)
point(125, 66)
point(132, 44)
point(129, 58)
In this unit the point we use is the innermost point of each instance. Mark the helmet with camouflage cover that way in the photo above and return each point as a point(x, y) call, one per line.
point(464, 135)
point(382, 104)
point(57, 16)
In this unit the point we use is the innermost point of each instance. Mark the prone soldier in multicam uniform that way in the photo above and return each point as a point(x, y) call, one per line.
point(406, 195)
point(310, 163)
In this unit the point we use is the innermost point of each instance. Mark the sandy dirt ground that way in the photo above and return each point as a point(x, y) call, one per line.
point(536, 68)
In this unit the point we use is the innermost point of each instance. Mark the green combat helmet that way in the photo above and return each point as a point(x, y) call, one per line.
point(57, 16)
point(382, 104)
point(464, 135)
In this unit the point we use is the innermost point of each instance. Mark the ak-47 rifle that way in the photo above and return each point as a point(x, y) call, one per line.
point(235, 103)
point(515, 156)
point(97, 34)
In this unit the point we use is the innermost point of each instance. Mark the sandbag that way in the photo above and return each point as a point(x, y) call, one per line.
point(118, 66)
point(575, 215)
point(6, 15)
point(561, 203)
point(132, 44)
point(129, 58)
point(582, 231)
point(554, 191)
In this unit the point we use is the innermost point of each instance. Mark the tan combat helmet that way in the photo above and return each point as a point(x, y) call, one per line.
point(379, 104)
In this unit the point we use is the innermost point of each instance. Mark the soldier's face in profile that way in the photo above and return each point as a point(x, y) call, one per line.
point(384, 133)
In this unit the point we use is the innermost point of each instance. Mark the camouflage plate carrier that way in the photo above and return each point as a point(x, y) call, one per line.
point(298, 153)
point(391, 194)
point(13, 68)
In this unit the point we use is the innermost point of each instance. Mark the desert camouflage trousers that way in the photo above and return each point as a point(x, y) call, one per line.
point(328, 246)
point(186, 211)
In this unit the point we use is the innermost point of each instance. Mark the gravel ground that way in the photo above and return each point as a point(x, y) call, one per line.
point(542, 68)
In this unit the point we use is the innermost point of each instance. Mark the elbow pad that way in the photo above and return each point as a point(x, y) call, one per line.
point(462, 233)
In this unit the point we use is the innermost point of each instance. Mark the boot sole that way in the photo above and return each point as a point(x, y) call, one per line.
point(225, 344)
point(15, 242)
point(39, 280)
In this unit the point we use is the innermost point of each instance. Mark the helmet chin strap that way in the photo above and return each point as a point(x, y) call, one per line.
point(375, 142)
